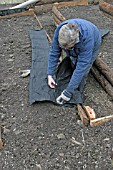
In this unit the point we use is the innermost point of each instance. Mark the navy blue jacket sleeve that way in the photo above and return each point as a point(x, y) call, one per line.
point(84, 60)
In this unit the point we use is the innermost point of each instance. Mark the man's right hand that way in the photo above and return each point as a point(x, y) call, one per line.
point(51, 82)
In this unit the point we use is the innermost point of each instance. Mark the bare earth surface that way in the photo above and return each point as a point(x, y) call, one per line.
point(42, 135)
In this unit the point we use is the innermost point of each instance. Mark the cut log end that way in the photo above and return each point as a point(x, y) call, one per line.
point(90, 112)
point(100, 121)
point(82, 115)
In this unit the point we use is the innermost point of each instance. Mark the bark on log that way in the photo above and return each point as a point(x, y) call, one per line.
point(57, 21)
point(105, 6)
point(58, 14)
point(102, 80)
point(105, 70)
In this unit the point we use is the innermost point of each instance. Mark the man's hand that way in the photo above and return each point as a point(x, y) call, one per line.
point(63, 98)
point(51, 82)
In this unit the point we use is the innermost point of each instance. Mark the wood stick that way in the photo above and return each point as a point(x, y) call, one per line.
point(49, 39)
point(105, 70)
point(25, 13)
point(102, 80)
point(100, 121)
point(82, 115)
point(38, 21)
point(1, 143)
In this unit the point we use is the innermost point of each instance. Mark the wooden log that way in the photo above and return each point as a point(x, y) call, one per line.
point(106, 6)
point(25, 13)
point(57, 21)
point(90, 112)
point(102, 80)
point(58, 14)
point(1, 143)
point(106, 14)
point(105, 70)
point(71, 3)
point(100, 121)
point(82, 115)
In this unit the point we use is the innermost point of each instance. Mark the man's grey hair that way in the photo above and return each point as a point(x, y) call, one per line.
point(68, 34)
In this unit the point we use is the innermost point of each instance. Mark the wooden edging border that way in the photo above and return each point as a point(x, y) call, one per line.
point(42, 8)
point(25, 13)
point(70, 3)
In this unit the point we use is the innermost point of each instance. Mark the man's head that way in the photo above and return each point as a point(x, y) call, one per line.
point(68, 35)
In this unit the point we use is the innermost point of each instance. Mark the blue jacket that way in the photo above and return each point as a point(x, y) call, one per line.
point(88, 38)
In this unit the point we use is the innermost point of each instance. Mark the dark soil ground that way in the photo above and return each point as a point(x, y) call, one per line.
point(42, 135)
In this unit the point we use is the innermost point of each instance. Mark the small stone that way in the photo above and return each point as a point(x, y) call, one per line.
point(17, 132)
point(10, 60)
point(38, 167)
point(10, 69)
point(11, 55)
point(79, 122)
point(77, 155)
point(61, 154)
point(106, 139)
point(5, 130)
point(108, 145)
point(61, 136)
point(2, 115)
point(3, 89)
point(66, 168)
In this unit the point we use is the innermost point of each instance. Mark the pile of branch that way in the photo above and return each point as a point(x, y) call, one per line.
point(100, 70)
point(88, 116)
